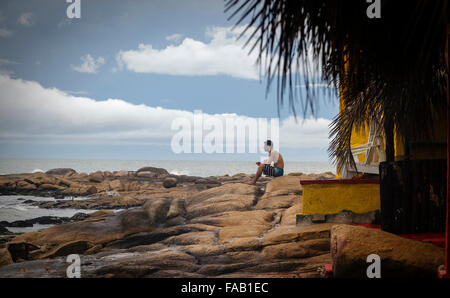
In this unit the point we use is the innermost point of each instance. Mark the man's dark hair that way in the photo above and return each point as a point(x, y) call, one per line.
point(269, 143)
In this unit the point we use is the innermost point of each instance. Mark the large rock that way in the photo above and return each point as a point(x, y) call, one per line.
point(170, 182)
point(159, 172)
point(281, 192)
point(146, 174)
point(96, 177)
point(121, 173)
point(115, 185)
point(400, 257)
point(61, 171)
point(93, 231)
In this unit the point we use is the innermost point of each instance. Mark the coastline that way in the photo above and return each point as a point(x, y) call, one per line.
point(195, 221)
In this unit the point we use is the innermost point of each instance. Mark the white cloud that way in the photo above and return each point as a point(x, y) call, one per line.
point(31, 113)
point(5, 33)
point(174, 37)
point(222, 55)
point(27, 19)
point(89, 65)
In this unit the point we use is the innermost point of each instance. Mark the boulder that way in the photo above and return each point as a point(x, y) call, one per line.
point(170, 182)
point(400, 257)
point(120, 173)
point(96, 177)
point(146, 174)
point(89, 191)
point(61, 171)
point(158, 171)
point(284, 185)
point(79, 216)
point(157, 210)
point(115, 185)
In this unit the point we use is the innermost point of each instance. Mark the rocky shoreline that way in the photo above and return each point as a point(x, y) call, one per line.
point(184, 226)
point(173, 226)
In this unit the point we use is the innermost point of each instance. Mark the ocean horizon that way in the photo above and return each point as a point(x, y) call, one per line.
point(201, 168)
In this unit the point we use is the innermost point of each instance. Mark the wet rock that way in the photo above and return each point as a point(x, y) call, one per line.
point(170, 182)
point(79, 216)
point(18, 224)
point(96, 231)
point(103, 202)
point(48, 220)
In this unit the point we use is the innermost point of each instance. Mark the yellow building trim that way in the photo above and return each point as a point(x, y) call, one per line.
point(334, 198)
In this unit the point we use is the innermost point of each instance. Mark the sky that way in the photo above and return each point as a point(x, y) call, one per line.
point(110, 84)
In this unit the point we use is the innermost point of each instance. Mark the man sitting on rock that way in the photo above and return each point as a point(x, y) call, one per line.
point(266, 167)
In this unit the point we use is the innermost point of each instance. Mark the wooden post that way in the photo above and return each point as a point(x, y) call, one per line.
point(446, 272)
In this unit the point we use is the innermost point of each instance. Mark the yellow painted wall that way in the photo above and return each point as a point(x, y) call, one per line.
point(334, 198)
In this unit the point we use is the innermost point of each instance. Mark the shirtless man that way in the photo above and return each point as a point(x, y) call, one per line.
point(266, 168)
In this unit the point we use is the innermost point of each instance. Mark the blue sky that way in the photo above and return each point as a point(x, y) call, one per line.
point(99, 57)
